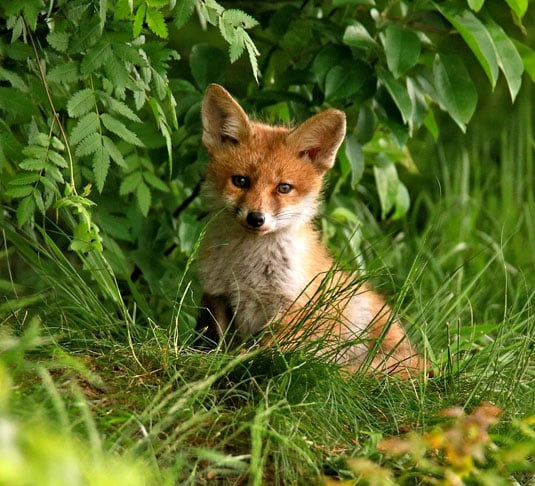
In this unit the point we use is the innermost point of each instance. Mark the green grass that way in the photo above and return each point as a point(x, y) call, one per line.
point(89, 395)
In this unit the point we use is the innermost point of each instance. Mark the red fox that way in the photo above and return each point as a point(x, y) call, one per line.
point(261, 262)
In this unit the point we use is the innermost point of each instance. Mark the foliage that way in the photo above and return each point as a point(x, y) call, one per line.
point(100, 104)
point(100, 168)
point(461, 452)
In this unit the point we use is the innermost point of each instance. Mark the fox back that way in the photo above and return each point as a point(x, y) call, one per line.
point(261, 261)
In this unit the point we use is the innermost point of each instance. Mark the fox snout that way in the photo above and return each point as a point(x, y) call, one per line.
point(255, 219)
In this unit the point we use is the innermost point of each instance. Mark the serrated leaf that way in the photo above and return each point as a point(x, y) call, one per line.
point(130, 183)
point(101, 165)
point(32, 164)
point(156, 22)
point(182, 12)
point(117, 127)
point(138, 19)
point(237, 47)
point(19, 191)
point(455, 89)
point(80, 103)
point(238, 18)
point(89, 145)
point(114, 152)
point(86, 125)
point(25, 178)
point(253, 53)
point(402, 49)
point(155, 181)
point(144, 198)
point(64, 73)
point(121, 108)
point(59, 40)
point(25, 210)
point(476, 37)
point(97, 56)
point(57, 159)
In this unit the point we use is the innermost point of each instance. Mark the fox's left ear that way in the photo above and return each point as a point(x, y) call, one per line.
point(319, 138)
point(223, 119)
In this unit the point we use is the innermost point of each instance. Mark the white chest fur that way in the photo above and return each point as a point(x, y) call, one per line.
point(260, 275)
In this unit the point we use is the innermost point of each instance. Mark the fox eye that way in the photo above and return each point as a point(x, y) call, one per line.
point(284, 188)
point(241, 182)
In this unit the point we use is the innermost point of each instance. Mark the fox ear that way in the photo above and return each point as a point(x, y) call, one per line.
point(319, 138)
point(223, 119)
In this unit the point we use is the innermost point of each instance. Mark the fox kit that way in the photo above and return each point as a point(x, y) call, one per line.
point(261, 262)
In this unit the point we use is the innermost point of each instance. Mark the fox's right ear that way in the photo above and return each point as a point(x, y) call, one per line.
point(223, 119)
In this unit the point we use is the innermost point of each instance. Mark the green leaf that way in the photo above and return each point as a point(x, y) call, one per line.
point(117, 127)
point(25, 210)
point(403, 201)
point(182, 12)
point(398, 92)
point(207, 64)
point(96, 57)
point(16, 105)
point(121, 108)
point(138, 19)
point(130, 183)
point(528, 58)
point(344, 81)
point(32, 164)
point(356, 35)
point(253, 53)
point(64, 73)
point(387, 183)
point(86, 125)
point(81, 102)
point(57, 159)
point(155, 181)
point(89, 145)
point(476, 37)
point(59, 40)
point(476, 5)
point(509, 59)
point(355, 155)
point(143, 198)
point(101, 165)
point(519, 7)
point(402, 49)
point(25, 178)
point(19, 191)
point(456, 92)
point(114, 152)
point(156, 22)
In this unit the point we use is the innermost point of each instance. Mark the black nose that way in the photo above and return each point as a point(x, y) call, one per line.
point(255, 220)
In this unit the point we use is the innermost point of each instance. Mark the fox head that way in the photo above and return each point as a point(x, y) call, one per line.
point(267, 177)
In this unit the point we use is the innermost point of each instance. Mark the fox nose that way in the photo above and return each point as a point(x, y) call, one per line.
point(255, 220)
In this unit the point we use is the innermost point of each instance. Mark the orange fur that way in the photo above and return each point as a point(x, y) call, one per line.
point(261, 262)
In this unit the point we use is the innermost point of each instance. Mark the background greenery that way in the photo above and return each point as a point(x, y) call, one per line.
point(433, 195)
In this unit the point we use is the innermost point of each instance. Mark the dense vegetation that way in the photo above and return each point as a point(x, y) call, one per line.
point(433, 196)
